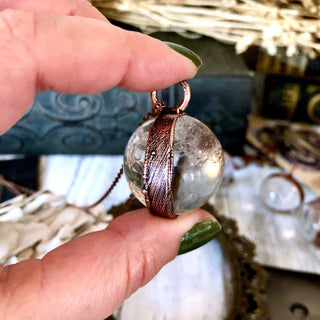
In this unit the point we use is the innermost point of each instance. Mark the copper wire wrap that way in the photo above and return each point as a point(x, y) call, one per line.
point(158, 174)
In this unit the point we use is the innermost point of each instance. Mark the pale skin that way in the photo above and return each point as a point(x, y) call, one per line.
point(68, 46)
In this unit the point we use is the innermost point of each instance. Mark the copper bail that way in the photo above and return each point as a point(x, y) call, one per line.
point(186, 96)
point(158, 164)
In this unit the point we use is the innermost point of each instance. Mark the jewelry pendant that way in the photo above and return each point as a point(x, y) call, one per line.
point(173, 163)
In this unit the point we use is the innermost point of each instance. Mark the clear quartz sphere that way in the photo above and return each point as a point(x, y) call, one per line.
point(280, 193)
point(198, 163)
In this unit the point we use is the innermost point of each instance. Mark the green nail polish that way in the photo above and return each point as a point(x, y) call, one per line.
point(198, 235)
point(186, 52)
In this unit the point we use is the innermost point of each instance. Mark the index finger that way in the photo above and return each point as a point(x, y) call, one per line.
point(81, 8)
point(77, 55)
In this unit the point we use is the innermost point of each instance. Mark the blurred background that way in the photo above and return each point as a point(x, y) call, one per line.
point(258, 90)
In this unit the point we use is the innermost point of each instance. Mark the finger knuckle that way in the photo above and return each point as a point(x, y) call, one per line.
point(140, 259)
point(140, 268)
point(17, 26)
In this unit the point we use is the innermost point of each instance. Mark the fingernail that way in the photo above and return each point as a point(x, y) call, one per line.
point(198, 235)
point(185, 52)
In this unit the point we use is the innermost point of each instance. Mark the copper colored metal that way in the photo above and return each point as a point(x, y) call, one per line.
point(158, 164)
point(186, 97)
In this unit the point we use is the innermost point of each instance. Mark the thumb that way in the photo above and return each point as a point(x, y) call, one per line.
point(89, 277)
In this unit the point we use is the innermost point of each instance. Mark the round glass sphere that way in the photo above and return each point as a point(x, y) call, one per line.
point(198, 163)
point(280, 193)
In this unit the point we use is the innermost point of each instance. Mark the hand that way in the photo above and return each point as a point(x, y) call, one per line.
point(68, 46)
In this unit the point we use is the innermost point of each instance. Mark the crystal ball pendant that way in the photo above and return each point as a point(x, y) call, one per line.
point(194, 171)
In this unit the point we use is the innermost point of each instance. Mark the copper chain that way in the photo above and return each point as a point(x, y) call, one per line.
point(156, 109)
point(17, 189)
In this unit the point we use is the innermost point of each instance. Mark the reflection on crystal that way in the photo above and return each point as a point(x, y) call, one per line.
point(212, 169)
point(198, 163)
point(289, 234)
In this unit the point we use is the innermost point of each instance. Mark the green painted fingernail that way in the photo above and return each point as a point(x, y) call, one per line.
point(198, 235)
point(185, 52)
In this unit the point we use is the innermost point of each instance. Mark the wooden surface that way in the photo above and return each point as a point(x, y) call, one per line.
point(278, 237)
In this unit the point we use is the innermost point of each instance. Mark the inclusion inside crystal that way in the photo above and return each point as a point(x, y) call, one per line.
point(198, 163)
